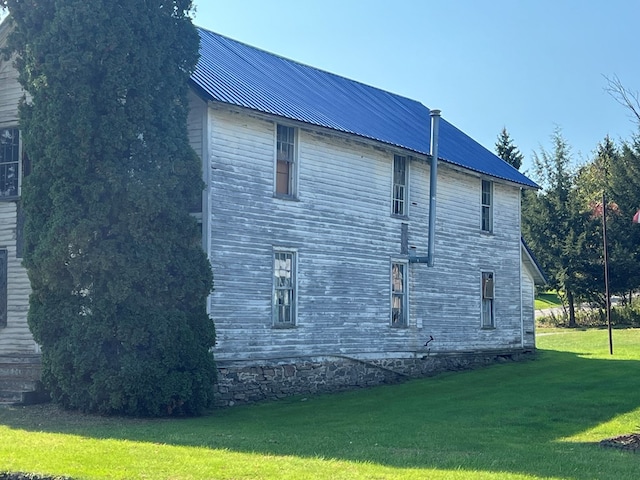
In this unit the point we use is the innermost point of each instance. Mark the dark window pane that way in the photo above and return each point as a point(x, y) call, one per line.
point(398, 295)
point(399, 185)
point(284, 293)
point(9, 161)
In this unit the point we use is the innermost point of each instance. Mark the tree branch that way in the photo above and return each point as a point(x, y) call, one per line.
point(623, 96)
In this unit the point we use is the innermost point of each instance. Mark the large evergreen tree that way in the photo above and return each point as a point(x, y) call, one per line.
point(624, 189)
point(508, 151)
point(591, 181)
point(611, 172)
point(553, 224)
point(118, 274)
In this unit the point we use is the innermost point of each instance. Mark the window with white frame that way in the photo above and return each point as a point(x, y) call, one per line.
point(9, 162)
point(399, 314)
point(487, 206)
point(285, 161)
point(400, 184)
point(488, 320)
point(284, 288)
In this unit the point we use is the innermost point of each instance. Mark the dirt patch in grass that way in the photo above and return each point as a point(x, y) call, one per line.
point(629, 442)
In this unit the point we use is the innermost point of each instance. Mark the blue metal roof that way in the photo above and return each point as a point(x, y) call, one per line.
point(235, 73)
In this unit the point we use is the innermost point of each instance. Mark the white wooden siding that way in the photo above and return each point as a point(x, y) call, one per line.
point(345, 237)
point(448, 296)
point(15, 337)
point(10, 93)
point(10, 89)
point(528, 310)
point(344, 234)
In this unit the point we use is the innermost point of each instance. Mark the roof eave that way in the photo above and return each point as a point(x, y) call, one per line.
point(375, 142)
point(539, 277)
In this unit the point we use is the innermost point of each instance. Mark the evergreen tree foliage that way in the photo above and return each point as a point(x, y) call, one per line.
point(118, 274)
point(610, 172)
point(591, 181)
point(508, 151)
point(552, 223)
point(624, 236)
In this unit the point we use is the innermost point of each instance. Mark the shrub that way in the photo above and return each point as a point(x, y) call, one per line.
point(118, 274)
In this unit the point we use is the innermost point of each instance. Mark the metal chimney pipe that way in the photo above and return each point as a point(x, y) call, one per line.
point(433, 184)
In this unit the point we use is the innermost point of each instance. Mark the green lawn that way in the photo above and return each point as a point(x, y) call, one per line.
point(538, 419)
point(547, 300)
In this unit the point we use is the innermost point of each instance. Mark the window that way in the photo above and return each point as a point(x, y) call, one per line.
point(3, 288)
point(284, 288)
point(400, 186)
point(487, 206)
point(9, 162)
point(487, 300)
point(286, 161)
point(399, 295)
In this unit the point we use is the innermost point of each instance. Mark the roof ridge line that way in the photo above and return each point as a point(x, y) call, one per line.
point(305, 65)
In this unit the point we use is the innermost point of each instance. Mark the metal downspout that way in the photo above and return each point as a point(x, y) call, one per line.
point(435, 126)
point(206, 201)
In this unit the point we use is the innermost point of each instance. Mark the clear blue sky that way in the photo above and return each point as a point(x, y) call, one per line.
point(528, 65)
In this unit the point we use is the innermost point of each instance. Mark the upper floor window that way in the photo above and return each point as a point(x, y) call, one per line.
point(487, 206)
point(400, 184)
point(488, 320)
point(286, 161)
point(9, 162)
point(284, 288)
point(399, 317)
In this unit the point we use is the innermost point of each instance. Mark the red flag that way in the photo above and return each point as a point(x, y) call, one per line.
point(636, 217)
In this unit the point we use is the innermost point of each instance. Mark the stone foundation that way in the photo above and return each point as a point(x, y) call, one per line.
point(241, 383)
point(20, 379)
point(254, 381)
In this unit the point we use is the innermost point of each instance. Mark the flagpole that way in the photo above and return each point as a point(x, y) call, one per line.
point(606, 269)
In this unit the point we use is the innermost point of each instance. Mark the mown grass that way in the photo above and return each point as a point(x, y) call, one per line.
point(538, 419)
point(547, 300)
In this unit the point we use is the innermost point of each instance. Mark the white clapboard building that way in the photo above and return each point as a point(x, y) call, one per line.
point(356, 236)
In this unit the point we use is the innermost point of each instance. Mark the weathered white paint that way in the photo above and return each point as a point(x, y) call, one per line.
point(528, 312)
point(345, 238)
point(15, 337)
point(448, 296)
point(10, 89)
point(531, 276)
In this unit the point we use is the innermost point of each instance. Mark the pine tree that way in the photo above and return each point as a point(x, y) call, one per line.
point(610, 172)
point(118, 275)
point(507, 151)
point(552, 223)
point(624, 236)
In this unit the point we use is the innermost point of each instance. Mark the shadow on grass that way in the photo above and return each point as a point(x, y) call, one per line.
point(506, 418)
